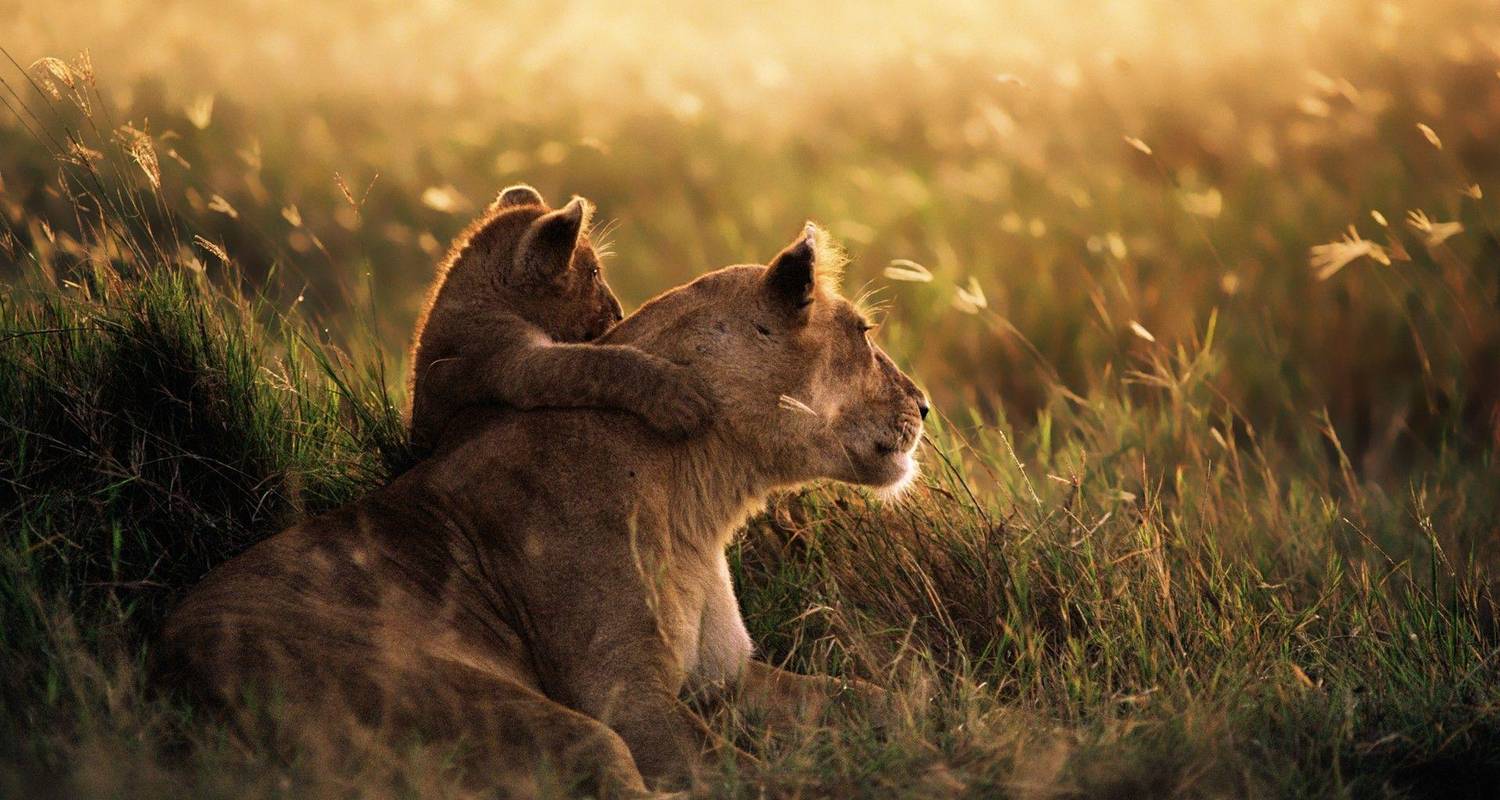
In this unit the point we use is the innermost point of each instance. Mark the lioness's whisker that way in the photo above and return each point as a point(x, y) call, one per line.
point(793, 404)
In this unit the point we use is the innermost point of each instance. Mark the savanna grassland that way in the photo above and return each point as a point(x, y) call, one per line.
point(1207, 298)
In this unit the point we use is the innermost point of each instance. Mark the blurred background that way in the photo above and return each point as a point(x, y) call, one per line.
point(1046, 196)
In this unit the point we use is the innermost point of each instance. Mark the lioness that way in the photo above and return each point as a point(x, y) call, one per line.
point(518, 294)
point(547, 585)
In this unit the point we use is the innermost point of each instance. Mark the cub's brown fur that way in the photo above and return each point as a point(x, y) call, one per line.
point(518, 294)
point(549, 584)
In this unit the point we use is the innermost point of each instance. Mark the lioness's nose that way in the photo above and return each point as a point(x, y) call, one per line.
point(922, 407)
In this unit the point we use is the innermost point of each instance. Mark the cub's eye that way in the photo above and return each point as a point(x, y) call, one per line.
point(865, 326)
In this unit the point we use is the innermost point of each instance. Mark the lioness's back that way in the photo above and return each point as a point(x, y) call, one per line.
point(391, 581)
point(308, 612)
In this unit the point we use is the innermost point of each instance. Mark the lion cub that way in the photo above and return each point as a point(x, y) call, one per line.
point(507, 320)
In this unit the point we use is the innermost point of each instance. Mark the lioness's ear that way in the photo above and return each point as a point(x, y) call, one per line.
point(790, 277)
point(519, 195)
point(547, 246)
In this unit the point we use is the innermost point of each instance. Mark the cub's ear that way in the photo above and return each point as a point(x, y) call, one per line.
point(519, 195)
point(790, 278)
point(547, 246)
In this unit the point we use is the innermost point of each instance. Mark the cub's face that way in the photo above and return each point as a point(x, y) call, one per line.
point(585, 306)
point(545, 266)
point(799, 381)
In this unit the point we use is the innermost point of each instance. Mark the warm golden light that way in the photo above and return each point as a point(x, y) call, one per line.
point(1203, 293)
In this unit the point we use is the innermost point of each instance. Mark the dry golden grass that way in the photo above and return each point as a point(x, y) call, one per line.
point(1204, 295)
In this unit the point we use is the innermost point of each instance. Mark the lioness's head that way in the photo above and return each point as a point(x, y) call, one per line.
point(801, 386)
point(542, 261)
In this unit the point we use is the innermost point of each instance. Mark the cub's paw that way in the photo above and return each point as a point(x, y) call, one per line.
point(679, 405)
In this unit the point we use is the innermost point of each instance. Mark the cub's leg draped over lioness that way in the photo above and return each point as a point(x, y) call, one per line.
point(508, 320)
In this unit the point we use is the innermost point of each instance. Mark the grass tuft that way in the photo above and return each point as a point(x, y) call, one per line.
point(1194, 520)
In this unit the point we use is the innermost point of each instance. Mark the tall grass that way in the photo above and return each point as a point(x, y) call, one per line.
point(1192, 521)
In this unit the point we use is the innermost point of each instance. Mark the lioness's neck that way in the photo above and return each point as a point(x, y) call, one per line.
point(713, 489)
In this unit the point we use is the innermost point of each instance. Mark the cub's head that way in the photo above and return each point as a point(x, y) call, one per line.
point(542, 263)
point(802, 387)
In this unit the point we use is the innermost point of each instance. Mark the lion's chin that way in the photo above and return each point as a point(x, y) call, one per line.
point(897, 473)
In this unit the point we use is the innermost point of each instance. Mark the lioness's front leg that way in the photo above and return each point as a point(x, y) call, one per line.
point(630, 680)
point(725, 672)
point(785, 698)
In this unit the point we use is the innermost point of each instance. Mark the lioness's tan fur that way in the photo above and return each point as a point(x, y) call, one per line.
point(547, 586)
